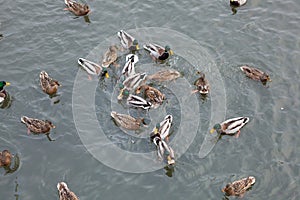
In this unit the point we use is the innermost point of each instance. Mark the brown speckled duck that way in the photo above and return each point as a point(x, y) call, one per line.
point(38, 126)
point(110, 56)
point(5, 158)
point(164, 75)
point(255, 74)
point(76, 8)
point(238, 188)
point(151, 93)
point(202, 84)
point(48, 84)
point(127, 121)
point(65, 193)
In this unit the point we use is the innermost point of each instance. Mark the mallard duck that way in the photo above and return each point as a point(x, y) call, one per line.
point(231, 126)
point(255, 74)
point(162, 146)
point(202, 84)
point(138, 102)
point(110, 56)
point(238, 3)
point(77, 8)
point(238, 188)
point(129, 69)
point(92, 68)
point(126, 121)
point(151, 93)
point(65, 193)
point(164, 75)
point(5, 158)
point(130, 83)
point(158, 52)
point(3, 93)
point(163, 128)
point(127, 41)
point(38, 126)
point(48, 84)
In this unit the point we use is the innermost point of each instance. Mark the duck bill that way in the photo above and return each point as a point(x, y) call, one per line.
point(137, 47)
point(171, 52)
point(120, 97)
point(106, 75)
point(7, 84)
point(212, 130)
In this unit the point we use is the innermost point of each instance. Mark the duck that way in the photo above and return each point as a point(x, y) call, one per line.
point(238, 3)
point(76, 8)
point(239, 187)
point(255, 74)
point(164, 75)
point(3, 93)
point(65, 193)
point(128, 41)
point(154, 95)
point(110, 56)
point(231, 126)
point(158, 52)
point(163, 128)
point(138, 102)
point(162, 146)
point(202, 84)
point(38, 126)
point(5, 158)
point(129, 67)
point(48, 84)
point(92, 68)
point(130, 83)
point(127, 121)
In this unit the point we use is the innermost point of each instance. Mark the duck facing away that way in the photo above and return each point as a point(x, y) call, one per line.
point(239, 187)
point(154, 95)
point(110, 56)
point(128, 41)
point(129, 67)
point(202, 84)
point(126, 121)
point(138, 102)
point(231, 126)
point(255, 74)
point(76, 8)
point(65, 193)
point(48, 84)
point(3, 93)
point(158, 52)
point(5, 158)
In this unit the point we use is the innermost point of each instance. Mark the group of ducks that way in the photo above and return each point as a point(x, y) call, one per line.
point(132, 84)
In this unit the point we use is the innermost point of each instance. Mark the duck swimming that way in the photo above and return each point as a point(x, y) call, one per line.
point(138, 102)
point(76, 8)
point(126, 121)
point(65, 193)
point(238, 188)
point(129, 69)
point(37, 126)
point(231, 126)
point(255, 74)
point(3, 93)
point(6, 160)
point(158, 52)
point(164, 75)
point(151, 93)
point(48, 84)
point(238, 3)
point(92, 68)
point(202, 85)
point(130, 83)
point(128, 41)
point(110, 56)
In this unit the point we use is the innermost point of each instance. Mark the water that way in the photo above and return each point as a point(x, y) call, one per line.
point(41, 36)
